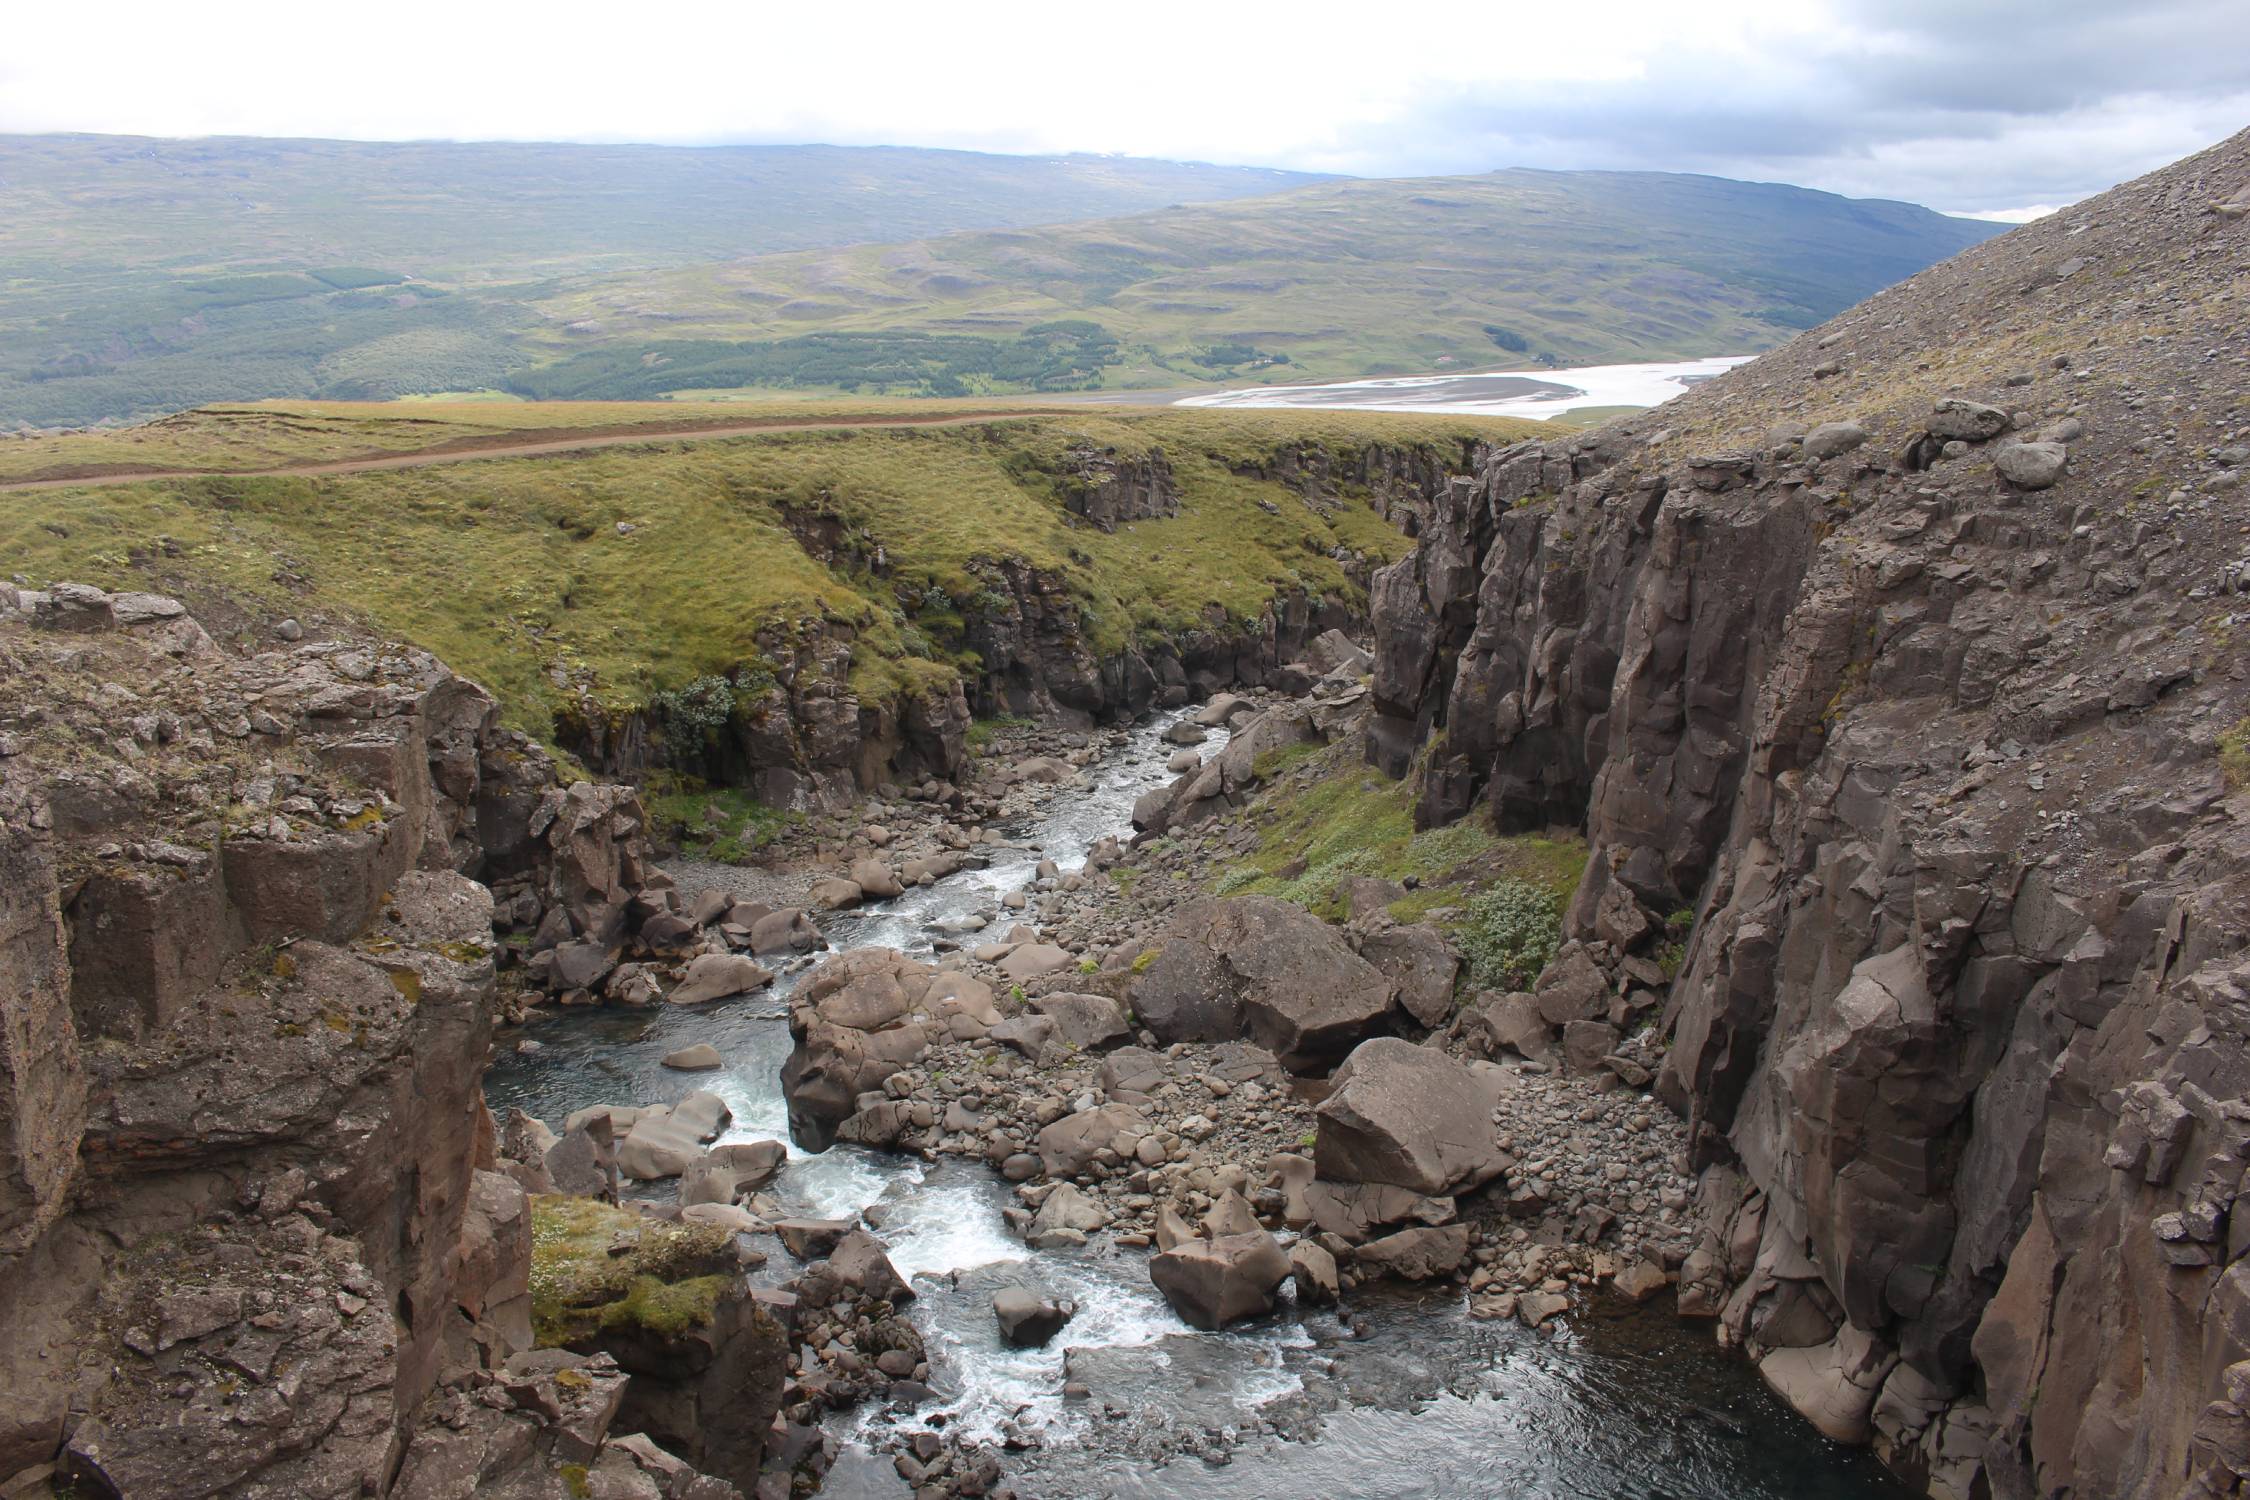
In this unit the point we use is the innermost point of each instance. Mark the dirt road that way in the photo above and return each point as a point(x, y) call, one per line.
point(530, 444)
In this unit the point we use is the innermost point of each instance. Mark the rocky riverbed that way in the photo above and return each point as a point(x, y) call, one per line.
point(1027, 1136)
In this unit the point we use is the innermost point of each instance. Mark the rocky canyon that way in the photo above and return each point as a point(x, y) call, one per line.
point(1767, 876)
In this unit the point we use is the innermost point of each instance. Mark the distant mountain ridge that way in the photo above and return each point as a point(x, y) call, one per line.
point(503, 210)
point(142, 276)
point(1344, 278)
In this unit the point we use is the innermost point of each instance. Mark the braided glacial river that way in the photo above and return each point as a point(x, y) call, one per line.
point(1403, 1395)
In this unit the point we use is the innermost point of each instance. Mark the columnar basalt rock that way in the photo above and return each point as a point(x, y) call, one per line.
point(1917, 714)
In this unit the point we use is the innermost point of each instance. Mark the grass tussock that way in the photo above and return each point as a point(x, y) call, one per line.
point(2234, 754)
point(1327, 817)
point(725, 824)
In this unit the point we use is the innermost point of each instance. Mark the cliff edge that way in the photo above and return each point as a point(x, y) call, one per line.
point(1910, 658)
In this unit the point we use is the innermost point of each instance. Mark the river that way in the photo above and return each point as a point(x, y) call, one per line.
point(1537, 394)
point(1399, 1394)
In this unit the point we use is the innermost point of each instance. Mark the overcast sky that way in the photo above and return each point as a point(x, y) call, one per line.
point(1998, 107)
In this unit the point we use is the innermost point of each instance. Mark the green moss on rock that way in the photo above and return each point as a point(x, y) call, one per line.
point(597, 1269)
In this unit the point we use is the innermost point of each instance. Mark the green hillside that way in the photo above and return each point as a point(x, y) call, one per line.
point(1340, 279)
point(141, 275)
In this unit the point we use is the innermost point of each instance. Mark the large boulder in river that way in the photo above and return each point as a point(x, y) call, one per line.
point(1408, 1116)
point(753, 1163)
point(790, 931)
point(1211, 1283)
point(831, 1066)
point(1028, 1320)
point(835, 894)
point(855, 1019)
point(715, 976)
point(1253, 966)
point(870, 1001)
point(663, 1142)
point(876, 880)
point(860, 1262)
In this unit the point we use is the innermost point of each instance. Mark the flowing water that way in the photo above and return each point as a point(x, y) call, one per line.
point(1400, 1394)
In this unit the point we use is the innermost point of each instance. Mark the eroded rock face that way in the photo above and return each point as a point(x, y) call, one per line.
point(1908, 725)
point(249, 1195)
point(1251, 966)
point(707, 1360)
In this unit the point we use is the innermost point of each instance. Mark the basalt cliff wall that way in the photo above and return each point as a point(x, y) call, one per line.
point(1910, 657)
point(255, 1239)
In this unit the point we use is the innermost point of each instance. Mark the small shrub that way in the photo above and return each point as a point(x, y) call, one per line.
point(691, 713)
point(1237, 878)
point(2234, 754)
point(1509, 934)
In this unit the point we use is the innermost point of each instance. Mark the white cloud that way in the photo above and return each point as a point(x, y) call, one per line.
point(2013, 102)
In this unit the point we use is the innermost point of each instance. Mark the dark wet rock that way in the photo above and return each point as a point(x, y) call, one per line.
point(1211, 1283)
point(811, 1239)
point(1027, 1319)
point(1418, 1254)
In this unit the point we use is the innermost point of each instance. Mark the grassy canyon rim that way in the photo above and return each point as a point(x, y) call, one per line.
point(629, 564)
